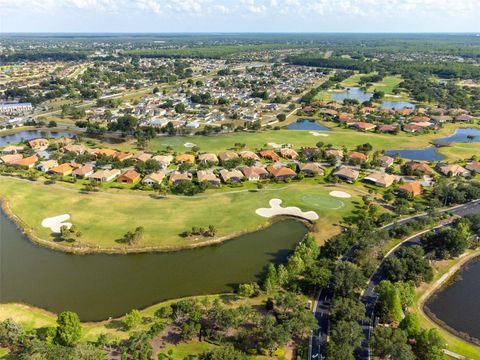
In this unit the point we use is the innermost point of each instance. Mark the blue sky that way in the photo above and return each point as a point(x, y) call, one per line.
point(239, 15)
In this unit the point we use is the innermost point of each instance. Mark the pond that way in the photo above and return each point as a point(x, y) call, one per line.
point(99, 286)
point(462, 135)
point(307, 124)
point(352, 93)
point(31, 134)
point(426, 154)
point(457, 305)
point(397, 105)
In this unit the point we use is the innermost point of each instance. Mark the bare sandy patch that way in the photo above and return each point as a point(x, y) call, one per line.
point(316, 133)
point(56, 222)
point(189, 145)
point(340, 194)
point(276, 209)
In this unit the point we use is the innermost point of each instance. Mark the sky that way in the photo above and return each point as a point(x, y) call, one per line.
point(239, 15)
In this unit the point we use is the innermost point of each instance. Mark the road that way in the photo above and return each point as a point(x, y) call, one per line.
point(369, 296)
point(324, 299)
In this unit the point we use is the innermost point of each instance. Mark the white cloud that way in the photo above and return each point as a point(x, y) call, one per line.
point(253, 7)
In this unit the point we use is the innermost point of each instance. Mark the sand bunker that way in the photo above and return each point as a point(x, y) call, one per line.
point(275, 209)
point(189, 145)
point(316, 133)
point(274, 145)
point(56, 222)
point(340, 194)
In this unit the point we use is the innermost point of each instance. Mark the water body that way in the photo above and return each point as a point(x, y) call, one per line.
point(31, 134)
point(462, 135)
point(457, 305)
point(307, 124)
point(426, 154)
point(99, 286)
point(397, 105)
point(352, 93)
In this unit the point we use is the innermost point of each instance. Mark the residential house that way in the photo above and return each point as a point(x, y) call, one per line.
point(154, 178)
point(121, 156)
point(46, 165)
point(381, 179)
point(452, 170)
point(346, 173)
point(61, 170)
point(208, 157)
point(337, 154)
point(464, 118)
point(413, 188)
point(387, 128)
point(248, 155)
point(413, 128)
point(10, 158)
point(386, 161)
point(12, 149)
point(83, 172)
point(414, 167)
point(104, 152)
point(129, 177)
point(185, 158)
point(164, 160)
point(289, 153)
point(473, 166)
point(231, 176)
point(208, 176)
point(105, 175)
point(311, 169)
point(142, 156)
point(281, 173)
point(254, 173)
point(177, 177)
point(77, 149)
point(355, 155)
point(364, 126)
point(38, 144)
point(227, 155)
point(27, 162)
point(269, 154)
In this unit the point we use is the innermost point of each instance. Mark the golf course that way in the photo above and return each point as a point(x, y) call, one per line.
point(104, 218)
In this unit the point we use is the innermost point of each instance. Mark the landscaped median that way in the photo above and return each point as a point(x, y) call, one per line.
point(102, 219)
point(444, 271)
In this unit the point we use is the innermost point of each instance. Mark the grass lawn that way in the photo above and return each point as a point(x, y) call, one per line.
point(460, 151)
point(105, 217)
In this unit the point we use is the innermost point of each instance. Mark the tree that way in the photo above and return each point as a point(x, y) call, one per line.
point(281, 117)
point(180, 108)
point(409, 264)
point(248, 290)
point(347, 278)
point(222, 353)
point(411, 325)
point(270, 282)
point(347, 309)
point(52, 124)
point(390, 343)
point(69, 329)
point(429, 345)
point(448, 242)
point(132, 319)
point(345, 337)
point(388, 306)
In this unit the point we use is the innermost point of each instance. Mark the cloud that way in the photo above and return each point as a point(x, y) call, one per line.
point(253, 7)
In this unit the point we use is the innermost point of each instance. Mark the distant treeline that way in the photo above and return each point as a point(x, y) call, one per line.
point(446, 69)
point(44, 56)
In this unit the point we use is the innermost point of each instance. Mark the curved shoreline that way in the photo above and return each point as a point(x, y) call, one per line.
point(89, 249)
point(437, 286)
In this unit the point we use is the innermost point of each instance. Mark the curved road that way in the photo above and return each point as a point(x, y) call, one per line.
point(324, 299)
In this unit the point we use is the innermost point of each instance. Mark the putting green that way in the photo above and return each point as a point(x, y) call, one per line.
point(321, 201)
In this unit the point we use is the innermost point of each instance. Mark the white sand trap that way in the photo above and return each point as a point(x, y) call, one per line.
point(274, 145)
point(275, 209)
point(189, 145)
point(56, 222)
point(316, 133)
point(340, 194)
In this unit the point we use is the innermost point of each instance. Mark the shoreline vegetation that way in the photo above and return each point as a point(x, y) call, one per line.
point(457, 341)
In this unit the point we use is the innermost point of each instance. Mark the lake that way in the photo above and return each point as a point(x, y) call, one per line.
point(31, 134)
point(99, 286)
point(352, 93)
point(307, 124)
point(397, 105)
point(461, 135)
point(457, 305)
point(426, 154)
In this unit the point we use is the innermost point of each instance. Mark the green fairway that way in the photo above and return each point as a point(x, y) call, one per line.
point(104, 218)
point(322, 201)
point(386, 85)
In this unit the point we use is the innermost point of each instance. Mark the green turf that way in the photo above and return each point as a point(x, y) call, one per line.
point(103, 217)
